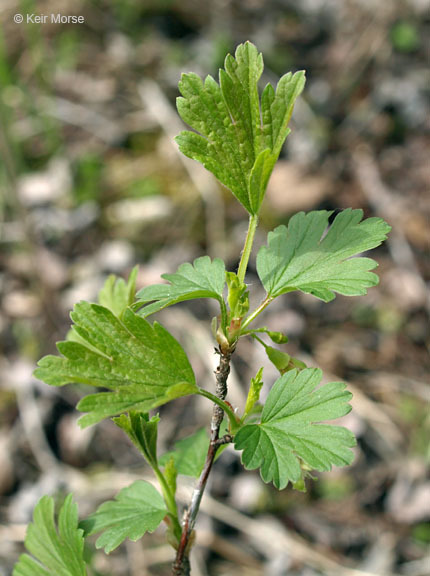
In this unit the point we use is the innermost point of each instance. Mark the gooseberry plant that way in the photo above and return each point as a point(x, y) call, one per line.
point(238, 137)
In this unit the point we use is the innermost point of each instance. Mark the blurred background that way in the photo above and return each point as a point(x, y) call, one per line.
point(92, 183)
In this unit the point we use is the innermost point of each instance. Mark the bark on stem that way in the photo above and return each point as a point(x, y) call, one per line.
point(181, 566)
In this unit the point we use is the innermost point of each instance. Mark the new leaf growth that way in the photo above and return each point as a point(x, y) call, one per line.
point(238, 139)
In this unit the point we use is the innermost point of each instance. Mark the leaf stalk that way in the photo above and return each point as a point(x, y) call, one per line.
point(256, 312)
point(247, 248)
point(169, 499)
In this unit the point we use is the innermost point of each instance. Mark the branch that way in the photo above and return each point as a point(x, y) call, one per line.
point(181, 566)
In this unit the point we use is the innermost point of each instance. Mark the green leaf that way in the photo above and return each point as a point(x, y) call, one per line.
point(288, 431)
point(107, 404)
point(189, 454)
point(137, 509)
point(238, 296)
point(279, 359)
point(301, 258)
point(55, 553)
point(116, 295)
point(142, 431)
point(202, 279)
point(283, 361)
point(253, 393)
point(296, 363)
point(142, 364)
point(237, 141)
point(277, 109)
point(259, 178)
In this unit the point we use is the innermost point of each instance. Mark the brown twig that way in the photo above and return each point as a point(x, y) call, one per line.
point(181, 566)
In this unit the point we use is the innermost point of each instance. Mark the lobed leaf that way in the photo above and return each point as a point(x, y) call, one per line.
point(142, 364)
point(189, 454)
point(202, 279)
point(238, 141)
point(137, 509)
point(142, 431)
point(277, 109)
point(301, 258)
point(289, 433)
point(116, 294)
point(54, 553)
